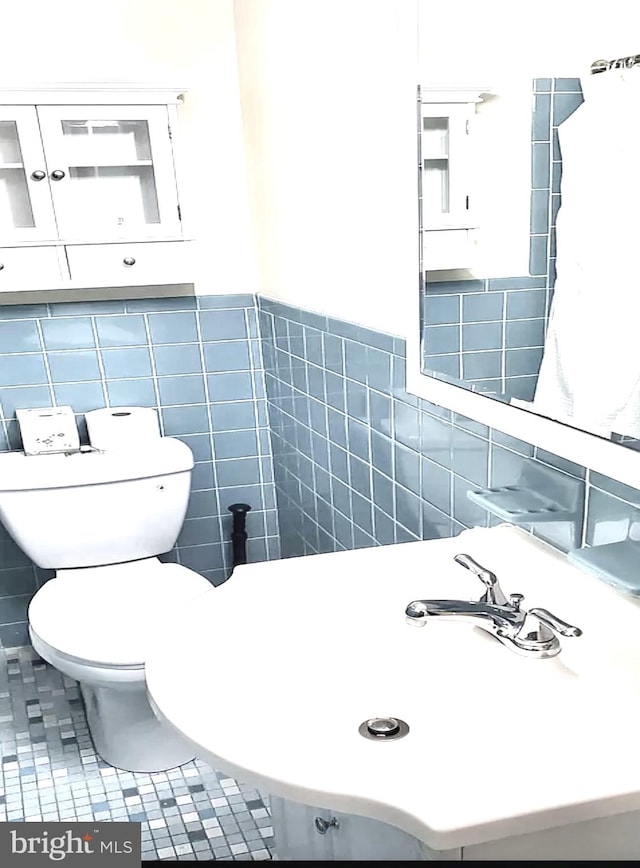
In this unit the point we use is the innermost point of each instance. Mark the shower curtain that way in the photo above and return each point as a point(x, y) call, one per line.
point(590, 371)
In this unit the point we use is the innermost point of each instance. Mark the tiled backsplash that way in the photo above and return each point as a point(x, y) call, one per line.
point(358, 461)
point(196, 360)
point(491, 332)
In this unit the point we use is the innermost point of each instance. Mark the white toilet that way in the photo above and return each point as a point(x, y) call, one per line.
point(100, 519)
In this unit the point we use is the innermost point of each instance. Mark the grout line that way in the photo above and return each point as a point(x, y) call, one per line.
point(98, 352)
point(45, 359)
point(207, 396)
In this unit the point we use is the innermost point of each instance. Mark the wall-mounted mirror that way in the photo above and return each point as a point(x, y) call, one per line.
point(527, 307)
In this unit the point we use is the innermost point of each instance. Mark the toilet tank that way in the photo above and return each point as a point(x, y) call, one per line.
point(93, 508)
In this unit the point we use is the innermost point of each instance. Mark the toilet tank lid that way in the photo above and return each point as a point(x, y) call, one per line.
point(20, 472)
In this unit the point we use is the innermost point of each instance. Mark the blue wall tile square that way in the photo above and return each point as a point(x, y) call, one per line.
point(538, 259)
point(227, 356)
point(481, 365)
point(177, 359)
point(333, 353)
point(335, 390)
point(24, 398)
point(73, 366)
point(355, 361)
point(382, 453)
point(470, 456)
point(539, 221)
point(442, 309)
point(200, 531)
point(234, 386)
point(121, 331)
point(223, 325)
point(436, 485)
point(482, 336)
point(82, 397)
point(380, 410)
point(519, 362)
point(173, 328)
point(185, 420)
point(525, 333)
point(360, 476)
point(357, 401)
point(383, 493)
point(130, 393)
point(541, 122)
point(435, 524)
point(151, 305)
point(383, 527)
point(68, 333)
point(339, 463)
point(233, 416)
point(337, 427)
point(238, 471)
point(341, 497)
point(358, 439)
point(188, 389)
point(540, 167)
point(481, 308)
point(407, 467)
point(23, 311)
point(125, 362)
point(202, 476)
point(235, 444)
point(226, 300)
point(406, 424)
point(438, 340)
point(19, 337)
point(564, 104)
point(378, 369)
point(361, 511)
point(408, 510)
point(526, 304)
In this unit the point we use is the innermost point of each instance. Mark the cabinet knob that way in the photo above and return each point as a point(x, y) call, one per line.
point(38, 175)
point(129, 261)
point(323, 826)
point(57, 175)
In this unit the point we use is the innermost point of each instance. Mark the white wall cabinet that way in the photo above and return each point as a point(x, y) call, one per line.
point(446, 116)
point(89, 190)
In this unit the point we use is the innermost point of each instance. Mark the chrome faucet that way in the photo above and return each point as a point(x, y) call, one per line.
point(532, 633)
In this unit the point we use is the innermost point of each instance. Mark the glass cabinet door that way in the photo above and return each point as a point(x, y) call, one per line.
point(26, 210)
point(111, 172)
point(443, 152)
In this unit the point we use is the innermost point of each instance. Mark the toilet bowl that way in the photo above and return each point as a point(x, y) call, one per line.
point(100, 519)
point(77, 623)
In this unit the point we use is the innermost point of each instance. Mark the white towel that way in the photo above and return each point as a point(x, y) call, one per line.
point(590, 371)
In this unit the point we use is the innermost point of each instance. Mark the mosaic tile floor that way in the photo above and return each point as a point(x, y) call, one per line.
point(51, 772)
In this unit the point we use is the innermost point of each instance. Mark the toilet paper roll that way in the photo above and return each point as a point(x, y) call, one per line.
point(122, 427)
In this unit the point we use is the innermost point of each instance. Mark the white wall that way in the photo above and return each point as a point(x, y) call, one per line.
point(326, 87)
point(328, 96)
point(188, 43)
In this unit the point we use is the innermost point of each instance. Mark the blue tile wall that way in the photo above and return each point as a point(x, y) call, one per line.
point(380, 466)
point(473, 328)
point(196, 360)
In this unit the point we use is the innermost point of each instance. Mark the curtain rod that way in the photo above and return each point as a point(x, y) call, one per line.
point(604, 65)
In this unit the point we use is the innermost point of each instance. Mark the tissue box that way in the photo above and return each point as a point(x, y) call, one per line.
point(50, 429)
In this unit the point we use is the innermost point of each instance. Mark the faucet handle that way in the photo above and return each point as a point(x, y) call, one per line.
point(494, 592)
point(555, 623)
point(515, 601)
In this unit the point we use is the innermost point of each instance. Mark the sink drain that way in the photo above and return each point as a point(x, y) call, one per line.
point(383, 728)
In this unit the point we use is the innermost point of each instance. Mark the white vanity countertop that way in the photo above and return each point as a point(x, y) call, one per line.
point(271, 674)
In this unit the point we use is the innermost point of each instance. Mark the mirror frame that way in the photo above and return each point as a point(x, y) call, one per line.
point(595, 453)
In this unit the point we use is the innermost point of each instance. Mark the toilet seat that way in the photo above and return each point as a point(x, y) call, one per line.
point(107, 615)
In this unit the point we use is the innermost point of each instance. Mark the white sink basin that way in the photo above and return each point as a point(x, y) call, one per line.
point(289, 657)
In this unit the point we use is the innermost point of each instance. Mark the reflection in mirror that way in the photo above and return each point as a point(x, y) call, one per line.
point(559, 337)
